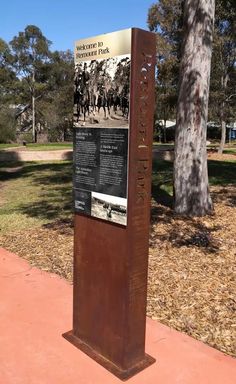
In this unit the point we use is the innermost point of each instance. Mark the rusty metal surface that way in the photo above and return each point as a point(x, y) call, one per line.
point(110, 261)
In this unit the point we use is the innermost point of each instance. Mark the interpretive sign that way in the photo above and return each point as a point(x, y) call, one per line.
point(101, 122)
point(100, 173)
point(113, 123)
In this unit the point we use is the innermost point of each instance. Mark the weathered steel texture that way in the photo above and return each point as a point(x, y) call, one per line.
point(111, 261)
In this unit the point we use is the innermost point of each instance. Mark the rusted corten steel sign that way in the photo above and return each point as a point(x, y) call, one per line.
point(113, 124)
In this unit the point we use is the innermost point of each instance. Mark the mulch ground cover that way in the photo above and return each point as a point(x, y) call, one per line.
point(191, 283)
point(213, 155)
point(192, 276)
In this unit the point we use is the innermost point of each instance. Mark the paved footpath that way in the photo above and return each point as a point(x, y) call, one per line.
point(36, 308)
point(20, 154)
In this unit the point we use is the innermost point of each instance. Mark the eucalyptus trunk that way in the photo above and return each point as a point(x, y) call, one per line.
point(224, 84)
point(191, 188)
point(33, 120)
point(33, 109)
point(223, 129)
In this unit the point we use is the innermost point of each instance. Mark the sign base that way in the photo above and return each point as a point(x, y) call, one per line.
point(122, 374)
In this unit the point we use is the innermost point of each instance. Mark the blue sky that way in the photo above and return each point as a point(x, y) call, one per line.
point(64, 21)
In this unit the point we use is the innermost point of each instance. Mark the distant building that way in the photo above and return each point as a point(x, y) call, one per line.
point(166, 123)
point(165, 130)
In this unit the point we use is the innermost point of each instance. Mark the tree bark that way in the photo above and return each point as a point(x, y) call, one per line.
point(33, 110)
point(223, 129)
point(164, 130)
point(33, 119)
point(191, 189)
point(224, 84)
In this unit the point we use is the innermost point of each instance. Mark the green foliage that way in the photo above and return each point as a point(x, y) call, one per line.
point(31, 51)
point(7, 125)
point(223, 71)
point(166, 18)
point(56, 107)
point(31, 55)
point(8, 79)
point(32, 75)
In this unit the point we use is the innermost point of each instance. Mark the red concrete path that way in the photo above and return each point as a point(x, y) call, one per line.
point(35, 309)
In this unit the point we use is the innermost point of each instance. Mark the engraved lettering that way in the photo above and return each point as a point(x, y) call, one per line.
point(143, 167)
point(143, 164)
point(143, 108)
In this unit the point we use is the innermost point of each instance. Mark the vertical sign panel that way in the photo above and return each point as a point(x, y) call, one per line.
point(112, 190)
point(101, 122)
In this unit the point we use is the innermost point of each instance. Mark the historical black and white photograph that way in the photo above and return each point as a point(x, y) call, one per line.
point(109, 208)
point(102, 93)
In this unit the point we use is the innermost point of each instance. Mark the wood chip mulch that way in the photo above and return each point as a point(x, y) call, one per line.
point(192, 274)
point(191, 284)
point(213, 155)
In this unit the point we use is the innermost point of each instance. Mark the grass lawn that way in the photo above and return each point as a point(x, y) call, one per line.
point(5, 146)
point(221, 173)
point(231, 151)
point(157, 143)
point(191, 279)
point(49, 146)
point(34, 194)
point(40, 147)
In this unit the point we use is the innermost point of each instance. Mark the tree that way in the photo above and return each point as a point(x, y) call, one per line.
point(223, 72)
point(8, 79)
point(7, 124)
point(190, 166)
point(31, 51)
point(8, 94)
point(165, 18)
point(56, 107)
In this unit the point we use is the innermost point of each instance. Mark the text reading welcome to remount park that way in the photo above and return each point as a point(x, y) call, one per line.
point(93, 49)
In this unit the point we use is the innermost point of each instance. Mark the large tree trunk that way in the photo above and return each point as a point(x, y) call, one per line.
point(224, 83)
point(33, 108)
point(164, 131)
point(191, 189)
point(223, 130)
point(33, 119)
